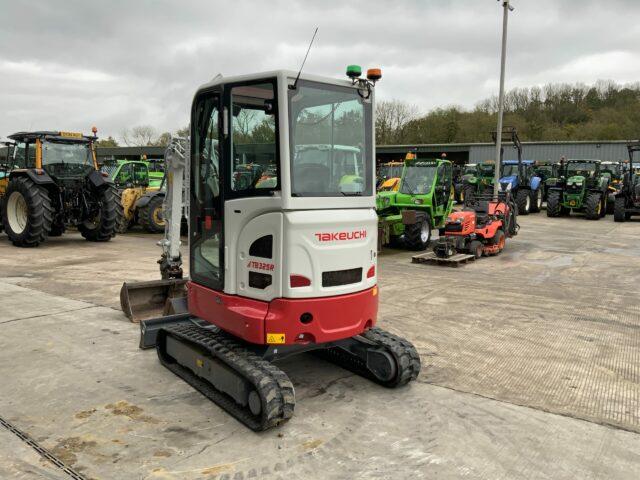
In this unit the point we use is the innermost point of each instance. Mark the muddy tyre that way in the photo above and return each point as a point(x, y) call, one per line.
point(104, 225)
point(523, 201)
point(418, 235)
point(27, 213)
point(593, 206)
point(536, 201)
point(554, 208)
point(619, 210)
point(150, 216)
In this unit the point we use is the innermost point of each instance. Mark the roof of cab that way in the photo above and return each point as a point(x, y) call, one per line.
point(515, 162)
point(50, 135)
point(290, 74)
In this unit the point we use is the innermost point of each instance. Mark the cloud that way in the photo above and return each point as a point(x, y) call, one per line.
point(117, 64)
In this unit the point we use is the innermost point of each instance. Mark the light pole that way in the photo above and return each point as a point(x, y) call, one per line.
point(496, 182)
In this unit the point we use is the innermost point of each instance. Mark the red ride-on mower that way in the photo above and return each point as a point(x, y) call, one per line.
point(479, 229)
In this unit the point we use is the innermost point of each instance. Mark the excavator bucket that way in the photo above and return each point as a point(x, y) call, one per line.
point(152, 299)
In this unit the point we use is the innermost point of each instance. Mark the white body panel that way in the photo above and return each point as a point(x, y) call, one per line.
point(298, 223)
point(317, 241)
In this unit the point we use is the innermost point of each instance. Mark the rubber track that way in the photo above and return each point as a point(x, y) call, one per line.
point(405, 354)
point(272, 384)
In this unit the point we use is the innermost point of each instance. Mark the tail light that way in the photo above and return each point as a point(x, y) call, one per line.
point(371, 272)
point(299, 281)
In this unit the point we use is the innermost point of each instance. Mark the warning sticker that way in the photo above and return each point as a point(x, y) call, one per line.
point(275, 338)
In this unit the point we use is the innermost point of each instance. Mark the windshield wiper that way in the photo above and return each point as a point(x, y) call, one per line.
point(352, 194)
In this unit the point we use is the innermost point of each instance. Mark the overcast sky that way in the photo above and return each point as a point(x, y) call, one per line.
point(72, 64)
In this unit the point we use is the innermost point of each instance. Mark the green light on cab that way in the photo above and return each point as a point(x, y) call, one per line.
point(354, 71)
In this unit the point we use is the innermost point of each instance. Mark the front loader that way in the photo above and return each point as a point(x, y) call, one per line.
point(280, 267)
point(52, 182)
point(134, 183)
point(519, 176)
point(423, 201)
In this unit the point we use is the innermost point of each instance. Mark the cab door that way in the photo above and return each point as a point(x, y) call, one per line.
point(206, 246)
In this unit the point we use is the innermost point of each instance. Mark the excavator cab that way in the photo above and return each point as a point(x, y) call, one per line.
point(281, 266)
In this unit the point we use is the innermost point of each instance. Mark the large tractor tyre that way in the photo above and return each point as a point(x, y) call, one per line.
point(476, 248)
point(27, 213)
point(104, 225)
point(593, 206)
point(536, 201)
point(619, 210)
point(151, 216)
point(603, 210)
point(468, 193)
point(418, 235)
point(523, 201)
point(554, 207)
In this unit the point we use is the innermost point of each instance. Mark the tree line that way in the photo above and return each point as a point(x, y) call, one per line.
point(557, 111)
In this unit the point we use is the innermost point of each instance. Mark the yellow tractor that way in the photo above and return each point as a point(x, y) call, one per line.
point(50, 181)
point(136, 187)
point(389, 175)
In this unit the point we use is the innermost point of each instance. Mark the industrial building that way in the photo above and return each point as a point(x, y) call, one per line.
point(461, 153)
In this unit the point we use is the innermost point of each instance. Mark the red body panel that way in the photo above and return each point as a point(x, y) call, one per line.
point(242, 317)
point(333, 318)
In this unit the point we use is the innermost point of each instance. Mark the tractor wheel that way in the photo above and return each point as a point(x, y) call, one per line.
point(536, 201)
point(57, 228)
point(523, 201)
point(418, 235)
point(499, 239)
point(467, 194)
point(475, 248)
point(619, 210)
point(27, 212)
point(150, 216)
point(593, 206)
point(105, 223)
point(554, 208)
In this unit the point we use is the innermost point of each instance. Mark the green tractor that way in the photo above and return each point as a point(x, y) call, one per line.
point(423, 202)
point(478, 181)
point(580, 187)
point(627, 198)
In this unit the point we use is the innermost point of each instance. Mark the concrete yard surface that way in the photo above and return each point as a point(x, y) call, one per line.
point(530, 369)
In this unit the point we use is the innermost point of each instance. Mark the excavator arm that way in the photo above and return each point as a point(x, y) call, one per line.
point(156, 298)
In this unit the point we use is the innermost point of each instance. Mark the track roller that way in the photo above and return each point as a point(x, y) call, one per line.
point(378, 355)
point(253, 390)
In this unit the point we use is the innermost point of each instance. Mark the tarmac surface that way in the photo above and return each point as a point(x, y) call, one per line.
point(531, 369)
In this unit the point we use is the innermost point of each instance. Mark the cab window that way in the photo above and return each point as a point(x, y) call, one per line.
point(254, 158)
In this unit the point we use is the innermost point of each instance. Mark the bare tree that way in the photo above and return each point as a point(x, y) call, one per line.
point(140, 136)
point(392, 118)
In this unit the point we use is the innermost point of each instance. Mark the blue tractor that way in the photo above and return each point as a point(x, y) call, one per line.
point(526, 185)
point(520, 177)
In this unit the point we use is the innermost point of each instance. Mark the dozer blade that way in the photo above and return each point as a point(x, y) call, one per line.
point(152, 299)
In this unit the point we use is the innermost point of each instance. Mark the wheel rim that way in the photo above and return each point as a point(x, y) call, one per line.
point(157, 216)
point(599, 208)
point(17, 212)
point(425, 230)
point(501, 243)
point(539, 200)
point(527, 204)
